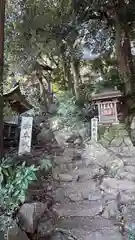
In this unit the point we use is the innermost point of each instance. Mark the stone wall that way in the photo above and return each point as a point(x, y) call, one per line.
point(113, 136)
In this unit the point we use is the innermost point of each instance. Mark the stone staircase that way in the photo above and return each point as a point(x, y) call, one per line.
point(80, 200)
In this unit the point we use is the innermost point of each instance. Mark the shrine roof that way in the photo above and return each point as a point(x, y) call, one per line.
point(106, 95)
point(17, 101)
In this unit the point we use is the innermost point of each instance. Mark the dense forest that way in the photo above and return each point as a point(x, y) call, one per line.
point(63, 50)
point(67, 46)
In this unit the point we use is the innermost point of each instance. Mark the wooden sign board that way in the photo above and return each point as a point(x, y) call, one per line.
point(25, 135)
point(107, 112)
point(94, 129)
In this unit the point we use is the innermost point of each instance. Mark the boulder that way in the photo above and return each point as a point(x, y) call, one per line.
point(122, 174)
point(115, 164)
point(45, 228)
point(68, 154)
point(115, 186)
point(74, 197)
point(105, 234)
point(83, 209)
point(130, 169)
point(117, 141)
point(95, 195)
point(52, 108)
point(30, 214)
point(16, 233)
point(78, 141)
point(64, 177)
point(95, 153)
point(83, 132)
point(111, 210)
point(64, 136)
point(46, 135)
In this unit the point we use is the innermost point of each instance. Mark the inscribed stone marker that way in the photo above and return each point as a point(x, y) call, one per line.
point(25, 135)
point(94, 129)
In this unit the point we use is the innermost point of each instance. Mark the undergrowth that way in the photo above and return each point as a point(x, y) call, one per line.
point(15, 178)
point(14, 183)
point(68, 111)
point(69, 114)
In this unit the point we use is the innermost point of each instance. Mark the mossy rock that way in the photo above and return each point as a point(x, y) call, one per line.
point(118, 126)
point(123, 133)
point(101, 131)
point(110, 134)
point(104, 142)
point(117, 142)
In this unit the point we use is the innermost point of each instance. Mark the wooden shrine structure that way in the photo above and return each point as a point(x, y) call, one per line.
point(16, 100)
point(18, 104)
point(109, 106)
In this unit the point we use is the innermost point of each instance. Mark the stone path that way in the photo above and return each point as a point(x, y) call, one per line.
point(96, 192)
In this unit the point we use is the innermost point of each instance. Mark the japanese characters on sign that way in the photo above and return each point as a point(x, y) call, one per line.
point(107, 112)
point(107, 109)
point(25, 135)
point(94, 129)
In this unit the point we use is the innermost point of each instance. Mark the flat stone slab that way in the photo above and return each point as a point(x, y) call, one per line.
point(81, 188)
point(85, 223)
point(86, 208)
point(65, 177)
point(86, 173)
point(119, 185)
point(87, 228)
point(96, 154)
point(123, 151)
point(104, 235)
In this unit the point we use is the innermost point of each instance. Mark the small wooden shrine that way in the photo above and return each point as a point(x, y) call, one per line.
point(16, 100)
point(108, 102)
point(19, 104)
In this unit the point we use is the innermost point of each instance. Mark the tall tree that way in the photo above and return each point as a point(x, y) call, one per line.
point(2, 21)
point(118, 17)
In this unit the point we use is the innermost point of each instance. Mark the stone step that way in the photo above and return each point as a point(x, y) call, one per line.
point(80, 190)
point(85, 209)
point(87, 228)
point(106, 234)
point(71, 165)
point(79, 170)
point(87, 173)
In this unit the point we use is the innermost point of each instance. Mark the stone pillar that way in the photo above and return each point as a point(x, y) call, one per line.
point(115, 108)
point(94, 129)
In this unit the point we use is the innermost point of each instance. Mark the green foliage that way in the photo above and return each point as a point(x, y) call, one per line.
point(131, 233)
point(68, 112)
point(14, 182)
point(45, 164)
point(86, 90)
point(7, 111)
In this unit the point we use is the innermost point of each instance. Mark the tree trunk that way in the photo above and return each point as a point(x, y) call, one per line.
point(76, 76)
point(2, 21)
point(49, 88)
point(66, 69)
point(43, 93)
point(125, 62)
point(68, 76)
point(126, 70)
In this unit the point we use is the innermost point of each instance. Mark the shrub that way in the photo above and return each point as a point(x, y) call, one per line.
point(68, 112)
point(45, 163)
point(14, 182)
